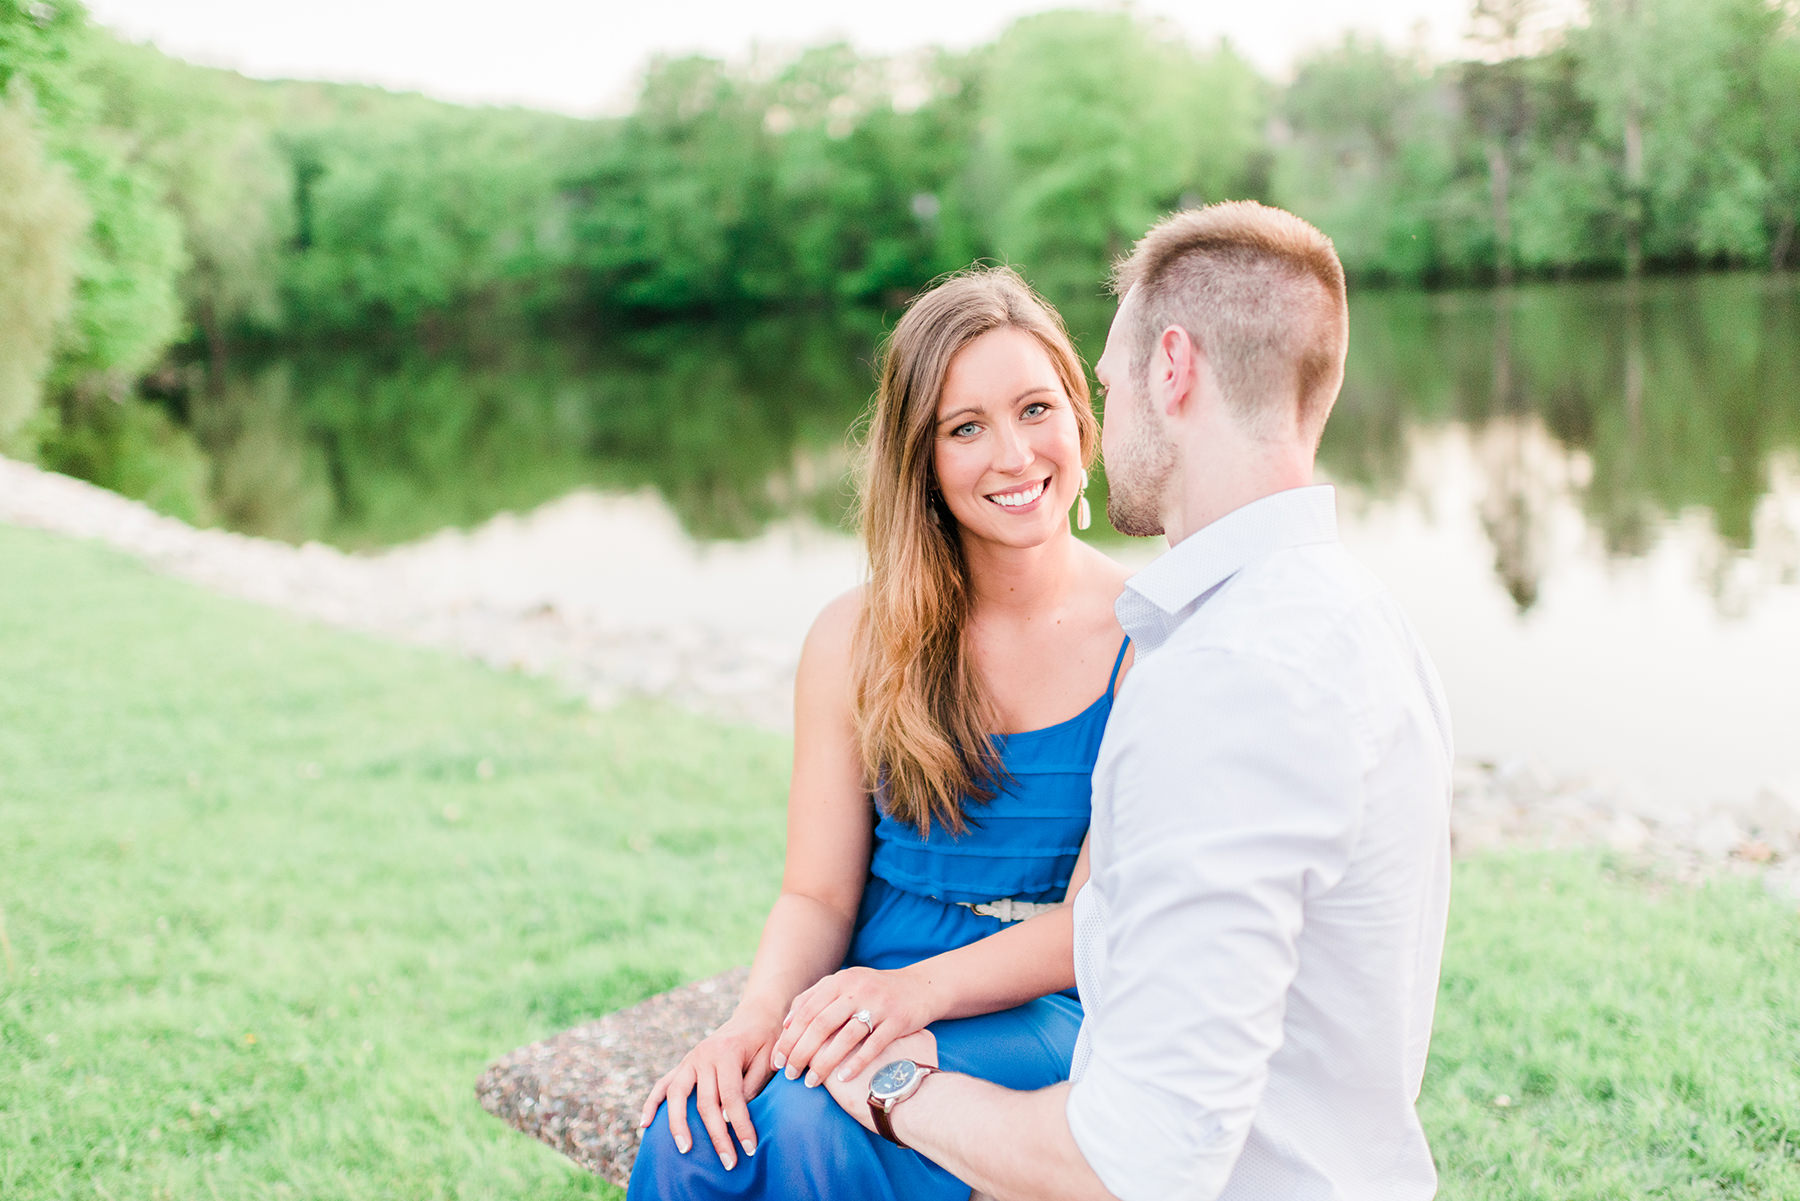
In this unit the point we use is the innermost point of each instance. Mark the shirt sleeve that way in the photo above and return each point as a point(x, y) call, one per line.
point(1235, 791)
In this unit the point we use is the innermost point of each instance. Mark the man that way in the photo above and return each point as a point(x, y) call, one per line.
point(1258, 946)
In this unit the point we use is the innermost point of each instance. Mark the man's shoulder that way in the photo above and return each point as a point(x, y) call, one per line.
point(1285, 607)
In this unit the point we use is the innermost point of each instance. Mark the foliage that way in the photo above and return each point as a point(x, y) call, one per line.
point(275, 894)
point(205, 149)
point(413, 212)
point(40, 218)
point(1094, 124)
point(1368, 153)
point(213, 213)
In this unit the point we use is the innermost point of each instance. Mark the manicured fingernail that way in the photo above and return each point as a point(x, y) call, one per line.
point(750, 1149)
point(843, 1073)
point(779, 1060)
point(791, 1072)
point(812, 1080)
point(683, 1145)
point(730, 1162)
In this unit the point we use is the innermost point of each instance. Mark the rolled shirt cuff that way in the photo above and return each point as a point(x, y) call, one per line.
point(1137, 1155)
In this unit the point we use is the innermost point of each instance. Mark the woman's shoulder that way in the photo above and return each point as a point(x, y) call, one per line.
point(834, 629)
point(822, 683)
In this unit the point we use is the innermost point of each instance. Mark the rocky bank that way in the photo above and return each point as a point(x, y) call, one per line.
point(403, 594)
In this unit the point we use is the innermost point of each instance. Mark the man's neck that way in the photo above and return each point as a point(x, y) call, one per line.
point(1210, 490)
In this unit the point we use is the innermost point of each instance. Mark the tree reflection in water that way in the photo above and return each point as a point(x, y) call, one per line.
point(1642, 402)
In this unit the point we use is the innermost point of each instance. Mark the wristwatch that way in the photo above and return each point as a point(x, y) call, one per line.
point(893, 1083)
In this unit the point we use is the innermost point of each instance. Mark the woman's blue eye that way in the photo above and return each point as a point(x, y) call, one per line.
point(968, 427)
point(1036, 407)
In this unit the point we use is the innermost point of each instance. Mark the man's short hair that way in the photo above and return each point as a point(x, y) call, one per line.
point(1261, 293)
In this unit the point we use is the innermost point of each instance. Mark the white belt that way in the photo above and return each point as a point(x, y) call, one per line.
point(1009, 910)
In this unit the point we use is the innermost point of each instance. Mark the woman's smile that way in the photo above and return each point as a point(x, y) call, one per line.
point(1023, 497)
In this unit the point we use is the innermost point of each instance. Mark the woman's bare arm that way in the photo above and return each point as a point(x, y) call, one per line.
point(830, 827)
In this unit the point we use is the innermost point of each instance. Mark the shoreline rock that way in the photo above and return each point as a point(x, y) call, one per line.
point(1507, 804)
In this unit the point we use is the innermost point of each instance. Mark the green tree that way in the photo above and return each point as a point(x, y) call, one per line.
point(1368, 151)
point(212, 158)
point(1096, 124)
point(41, 217)
point(1778, 104)
point(126, 310)
point(409, 213)
point(676, 210)
point(1674, 87)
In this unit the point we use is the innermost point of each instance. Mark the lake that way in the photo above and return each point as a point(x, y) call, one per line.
point(1586, 494)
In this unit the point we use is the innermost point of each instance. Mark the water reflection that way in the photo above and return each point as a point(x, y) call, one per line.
point(736, 426)
point(1658, 399)
point(1641, 403)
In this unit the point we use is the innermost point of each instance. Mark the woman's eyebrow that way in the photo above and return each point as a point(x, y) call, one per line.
point(977, 411)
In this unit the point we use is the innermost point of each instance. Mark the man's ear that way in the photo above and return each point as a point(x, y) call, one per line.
point(1175, 369)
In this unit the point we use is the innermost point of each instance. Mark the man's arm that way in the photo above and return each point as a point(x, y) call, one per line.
point(1235, 795)
point(1010, 1146)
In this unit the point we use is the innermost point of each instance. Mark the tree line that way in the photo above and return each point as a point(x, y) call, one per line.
point(153, 212)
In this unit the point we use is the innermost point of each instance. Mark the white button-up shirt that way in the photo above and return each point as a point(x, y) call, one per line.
point(1258, 946)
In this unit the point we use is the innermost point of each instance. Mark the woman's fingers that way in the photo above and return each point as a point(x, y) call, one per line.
point(758, 1072)
point(679, 1087)
point(820, 1031)
point(706, 1099)
point(737, 1111)
point(801, 1013)
point(809, 1034)
point(827, 1058)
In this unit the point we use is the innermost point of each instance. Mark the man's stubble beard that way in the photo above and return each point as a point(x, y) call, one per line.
point(1138, 475)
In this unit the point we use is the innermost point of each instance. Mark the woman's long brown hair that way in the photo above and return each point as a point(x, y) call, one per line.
point(923, 720)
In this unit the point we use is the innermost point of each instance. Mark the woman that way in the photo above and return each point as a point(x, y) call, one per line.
point(947, 715)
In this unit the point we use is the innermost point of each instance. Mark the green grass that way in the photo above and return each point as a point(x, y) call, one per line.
point(1603, 1034)
point(273, 895)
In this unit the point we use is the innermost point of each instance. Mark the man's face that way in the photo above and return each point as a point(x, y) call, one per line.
point(1139, 455)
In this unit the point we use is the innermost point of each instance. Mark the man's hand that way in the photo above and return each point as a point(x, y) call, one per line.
point(853, 1094)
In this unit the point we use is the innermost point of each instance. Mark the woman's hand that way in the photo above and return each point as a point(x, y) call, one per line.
point(822, 1032)
point(727, 1069)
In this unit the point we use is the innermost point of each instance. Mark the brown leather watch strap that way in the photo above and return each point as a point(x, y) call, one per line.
point(882, 1110)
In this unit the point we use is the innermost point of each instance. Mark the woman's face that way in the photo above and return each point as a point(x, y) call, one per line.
point(1006, 446)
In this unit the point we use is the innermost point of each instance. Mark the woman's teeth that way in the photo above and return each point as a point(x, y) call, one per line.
point(1013, 500)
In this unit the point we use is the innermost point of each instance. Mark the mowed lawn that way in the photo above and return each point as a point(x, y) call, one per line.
point(272, 895)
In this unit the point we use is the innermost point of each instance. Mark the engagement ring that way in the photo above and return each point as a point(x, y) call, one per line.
point(862, 1015)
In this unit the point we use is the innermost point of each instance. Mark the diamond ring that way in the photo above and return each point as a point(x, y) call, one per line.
point(863, 1016)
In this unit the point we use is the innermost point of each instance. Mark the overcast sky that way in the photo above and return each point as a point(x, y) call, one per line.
point(584, 56)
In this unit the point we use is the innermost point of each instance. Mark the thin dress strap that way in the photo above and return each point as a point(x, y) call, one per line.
point(1113, 683)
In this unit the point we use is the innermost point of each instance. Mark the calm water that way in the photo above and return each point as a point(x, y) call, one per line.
point(1587, 495)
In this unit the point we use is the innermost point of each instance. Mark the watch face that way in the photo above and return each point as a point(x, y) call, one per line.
point(892, 1078)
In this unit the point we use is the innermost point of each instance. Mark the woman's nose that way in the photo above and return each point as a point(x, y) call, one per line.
point(1013, 451)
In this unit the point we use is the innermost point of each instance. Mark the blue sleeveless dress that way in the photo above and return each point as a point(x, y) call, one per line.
point(1022, 844)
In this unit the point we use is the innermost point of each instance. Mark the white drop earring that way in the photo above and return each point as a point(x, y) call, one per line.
point(1084, 516)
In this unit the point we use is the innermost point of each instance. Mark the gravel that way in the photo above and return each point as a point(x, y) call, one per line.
point(401, 594)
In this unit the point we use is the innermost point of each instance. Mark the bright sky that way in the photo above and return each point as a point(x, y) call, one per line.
point(583, 56)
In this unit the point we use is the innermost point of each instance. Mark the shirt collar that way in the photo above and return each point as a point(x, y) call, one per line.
point(1157, 598)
